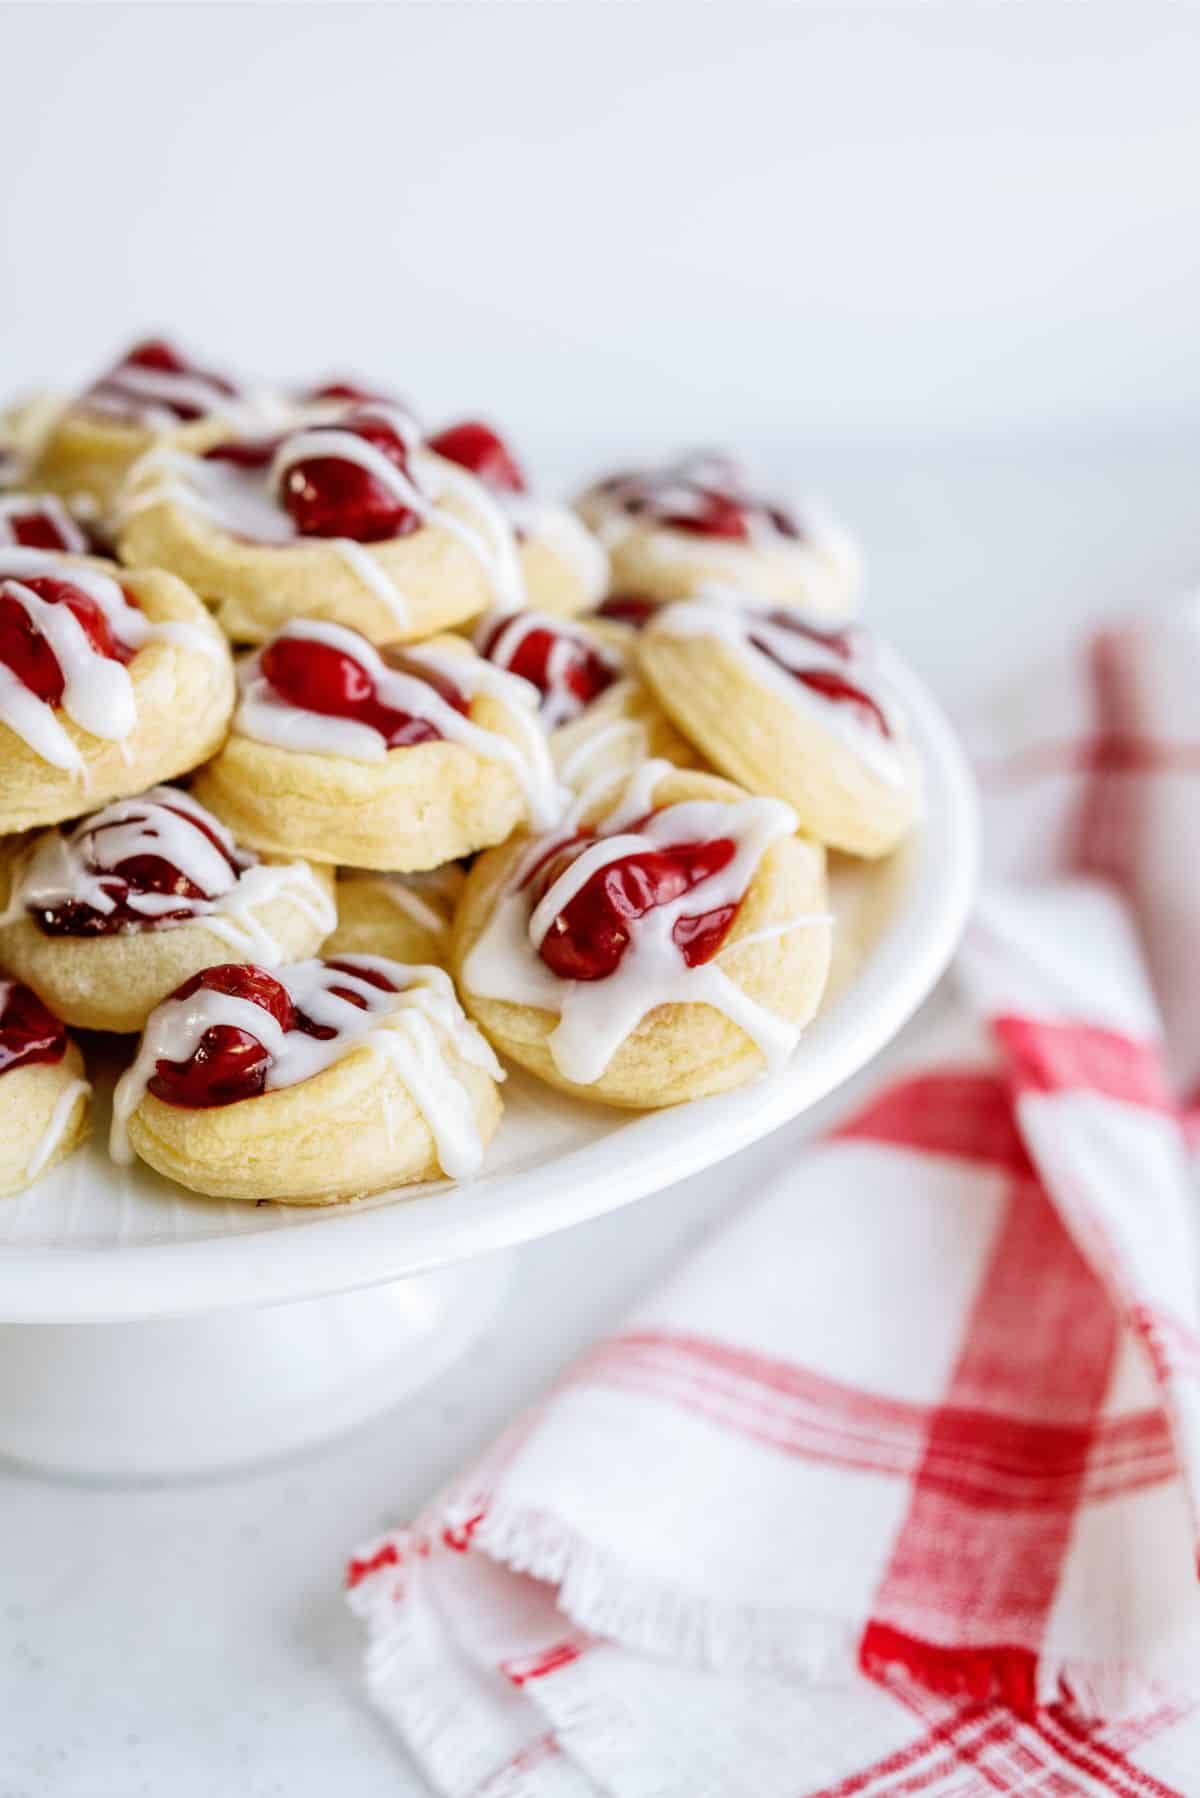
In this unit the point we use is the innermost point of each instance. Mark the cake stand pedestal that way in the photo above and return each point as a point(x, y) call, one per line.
point(198, 1396)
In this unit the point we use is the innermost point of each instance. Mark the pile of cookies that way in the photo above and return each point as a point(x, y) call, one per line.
point(337, 768)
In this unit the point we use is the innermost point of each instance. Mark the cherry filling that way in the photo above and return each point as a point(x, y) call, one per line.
point(134, 875)
point(316, 677)
point(24, 649)
point(588, 938)
point(229, 1064)
point(328, 496)
point(479, 449)
point(349, 392)
point(156, 356)
point(632, 609)
point(559, 665)
point(37, 527)
point(706, 503)
point(245, 452)
point(828, 683)
point(28, 1032)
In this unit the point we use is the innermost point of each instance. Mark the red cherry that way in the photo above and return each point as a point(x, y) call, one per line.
point(578, 671)
point(326, 496)
point(715, 515)
point(828, 682)
point(37, 529)
point(158, 356)
point(29, 1033)
point(23, 647)
point(629, 608)
point(841, 642)
point(373, 976)
point(228, 1063)
point(245, 452)
point(590, 935)
point(477, 447)
point(836, 688)
point(242, 980)
point(133, 875)
point(316, 677)
point(350, 392)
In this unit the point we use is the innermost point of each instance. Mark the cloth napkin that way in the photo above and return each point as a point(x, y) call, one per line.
point(894, 1488)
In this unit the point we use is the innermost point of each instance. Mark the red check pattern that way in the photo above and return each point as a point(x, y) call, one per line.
point(892, 1490)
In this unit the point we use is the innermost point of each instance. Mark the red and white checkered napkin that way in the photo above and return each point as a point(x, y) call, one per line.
point(893, 1488)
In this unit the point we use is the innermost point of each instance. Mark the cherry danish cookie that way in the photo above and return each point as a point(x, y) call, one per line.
point(110, 680)
point(563, 567)
point(153, 395)
point(669, 531)
point(787, 707)
point(44, 1097)
point(657, 947)
point(406, 917)
point(315, 1083)
point(398, 759)
point(350, 519)
point(105, 919)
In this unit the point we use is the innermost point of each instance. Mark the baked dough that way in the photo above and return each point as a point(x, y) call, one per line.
point(44, 1112)
point(848, 772)
point(412, 808)
point(273, 912)
point(768, 973)
point(624, 727)
point(406, 917)
point(355, 1127)
point(563, 566)
point(223, 531)
point(182, 691)
point(812, 563)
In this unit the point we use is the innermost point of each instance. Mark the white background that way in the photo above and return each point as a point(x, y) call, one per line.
point(939, 259)
point(607, 220)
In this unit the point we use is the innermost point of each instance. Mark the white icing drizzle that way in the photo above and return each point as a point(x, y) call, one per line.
point(98, 693)
point(824, 558)
point(558, 703)
point(240, 890)
point(234, 498)
point(48, 507)
point(596, 1016)
point(56, 1125)
point(265, 717)
point(409, 1028)
point(732, 619)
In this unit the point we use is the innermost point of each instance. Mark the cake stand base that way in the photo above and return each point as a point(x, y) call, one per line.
point(203, 1396)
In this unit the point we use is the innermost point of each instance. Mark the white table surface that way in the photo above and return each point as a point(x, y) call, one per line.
point(193, 1640)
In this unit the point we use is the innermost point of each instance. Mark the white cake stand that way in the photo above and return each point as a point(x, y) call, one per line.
point(151, 1334)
